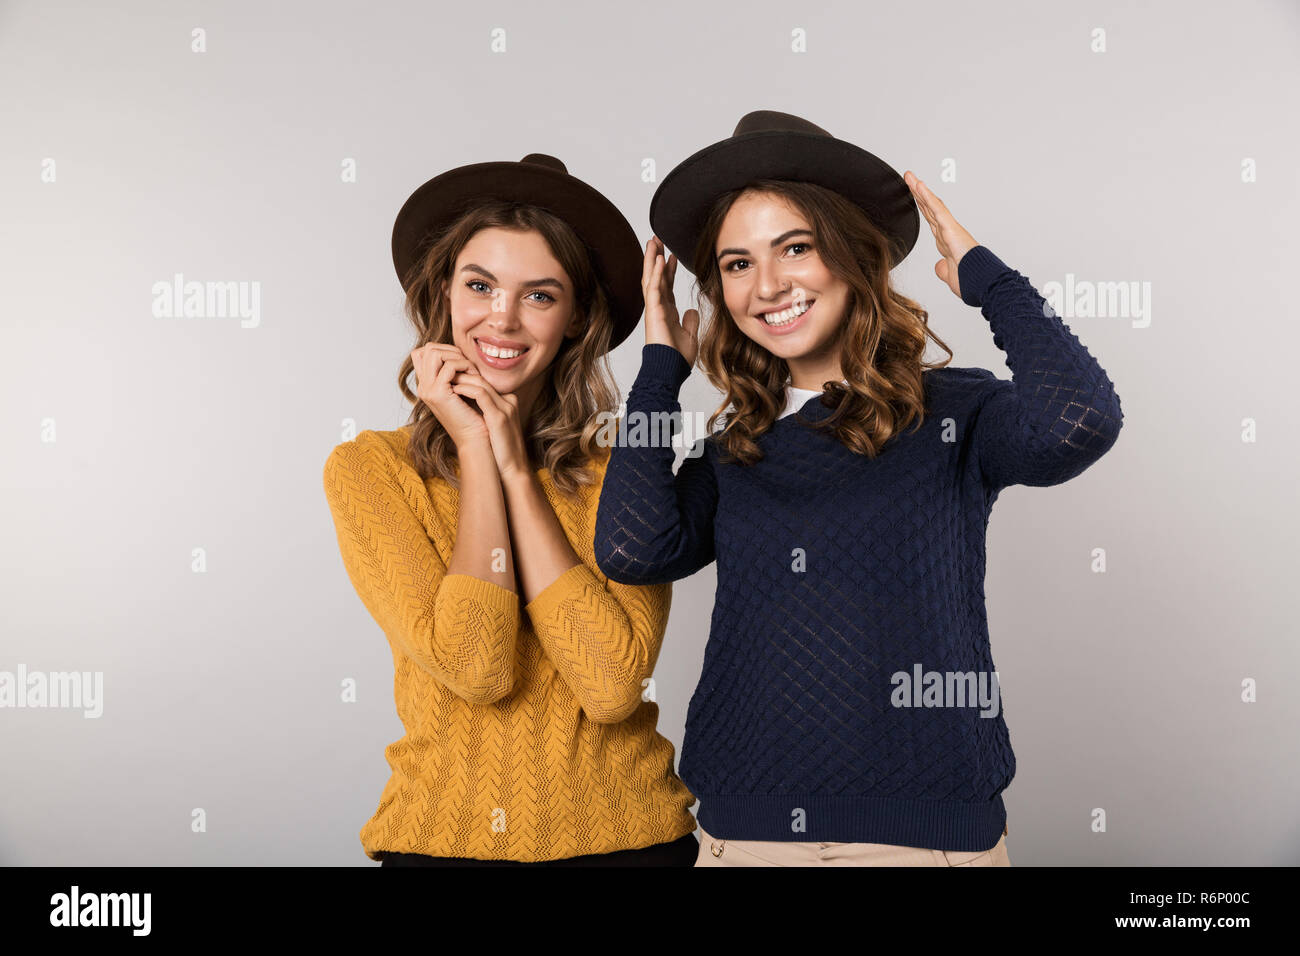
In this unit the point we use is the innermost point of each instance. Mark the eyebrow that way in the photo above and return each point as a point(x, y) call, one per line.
point(474, 267)
point(775, 242)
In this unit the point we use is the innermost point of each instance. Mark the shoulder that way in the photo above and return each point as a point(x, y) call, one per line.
point(371, 449)
point(958, 377)
point(960, 387)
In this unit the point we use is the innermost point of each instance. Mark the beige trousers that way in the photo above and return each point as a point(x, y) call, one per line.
point(715, 852)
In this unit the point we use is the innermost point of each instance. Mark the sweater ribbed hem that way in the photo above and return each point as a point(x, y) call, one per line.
point(376, 841)
point(930, 824)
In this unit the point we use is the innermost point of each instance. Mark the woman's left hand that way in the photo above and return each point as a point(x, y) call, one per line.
point(953, 241)
point(501, 413)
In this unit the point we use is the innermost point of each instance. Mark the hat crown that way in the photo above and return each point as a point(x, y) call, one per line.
point(772, 121)
point(771, 145)
point(541, 159)
point(541, 180)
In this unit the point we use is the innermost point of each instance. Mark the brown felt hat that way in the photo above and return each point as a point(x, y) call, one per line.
point(770, 145)
point(537, 180)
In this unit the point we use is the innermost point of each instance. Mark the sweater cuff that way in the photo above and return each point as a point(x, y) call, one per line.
point(469, 586)
point(976, 271)
point(663, 364)
point(570, 584)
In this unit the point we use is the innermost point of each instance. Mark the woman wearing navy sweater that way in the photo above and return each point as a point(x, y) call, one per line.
point(848, 710)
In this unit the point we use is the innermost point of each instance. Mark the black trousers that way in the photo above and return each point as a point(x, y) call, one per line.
point(680, 852)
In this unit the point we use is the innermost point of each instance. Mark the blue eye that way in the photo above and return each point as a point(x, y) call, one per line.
point(476, 283)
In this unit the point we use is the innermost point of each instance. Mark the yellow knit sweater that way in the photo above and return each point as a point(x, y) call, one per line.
point(526, 734)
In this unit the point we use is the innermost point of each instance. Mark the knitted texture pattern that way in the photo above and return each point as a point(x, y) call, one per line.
point(837, 573)
point(526, 736)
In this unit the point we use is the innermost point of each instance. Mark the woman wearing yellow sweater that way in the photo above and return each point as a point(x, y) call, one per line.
point(520, 669)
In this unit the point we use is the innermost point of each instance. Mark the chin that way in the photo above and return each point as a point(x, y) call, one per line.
point(504, 380)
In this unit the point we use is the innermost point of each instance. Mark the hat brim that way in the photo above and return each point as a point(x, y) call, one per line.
point(610, 239)
point(680, 204)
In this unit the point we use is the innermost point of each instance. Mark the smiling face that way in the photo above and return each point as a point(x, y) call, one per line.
point(512, 304)
point(776, 287)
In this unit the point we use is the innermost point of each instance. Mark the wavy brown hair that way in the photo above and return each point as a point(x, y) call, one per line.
point(881, 341)
point(579, 384)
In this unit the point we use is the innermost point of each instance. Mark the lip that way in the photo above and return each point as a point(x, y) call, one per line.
point(493, 360)
point(785, 329)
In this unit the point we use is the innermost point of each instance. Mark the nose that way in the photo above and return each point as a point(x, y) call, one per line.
point(504, 315)
point(770, 283)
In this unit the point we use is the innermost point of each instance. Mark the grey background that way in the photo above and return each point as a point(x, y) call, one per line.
point(1121, 690)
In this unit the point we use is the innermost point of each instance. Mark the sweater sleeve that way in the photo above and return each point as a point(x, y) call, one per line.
point(651, 526)
point(603, 638)
point(1060, 412)
point(459, 629)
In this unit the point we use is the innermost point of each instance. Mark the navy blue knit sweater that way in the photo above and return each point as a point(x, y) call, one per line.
point(838, 573)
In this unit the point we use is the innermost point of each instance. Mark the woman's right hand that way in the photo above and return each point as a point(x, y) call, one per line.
point(435, 366)
point(662, 326)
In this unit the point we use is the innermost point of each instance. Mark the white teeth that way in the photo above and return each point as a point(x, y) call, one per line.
point(786, 316)
point(495, 352)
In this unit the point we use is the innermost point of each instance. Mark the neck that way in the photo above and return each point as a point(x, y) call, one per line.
point(811, 372)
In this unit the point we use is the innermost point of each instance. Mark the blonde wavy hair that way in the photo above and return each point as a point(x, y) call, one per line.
point(881, 341)
point(579, 383)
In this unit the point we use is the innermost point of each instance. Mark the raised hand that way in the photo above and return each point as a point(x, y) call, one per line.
point(501, 414)
point(436, 365)
point(662, 325)
point(952, 240)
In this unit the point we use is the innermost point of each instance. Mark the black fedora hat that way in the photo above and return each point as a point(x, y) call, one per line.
point(538, 180)
point(771, 145)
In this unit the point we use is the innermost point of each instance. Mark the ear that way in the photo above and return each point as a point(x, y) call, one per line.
point(575, 326)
